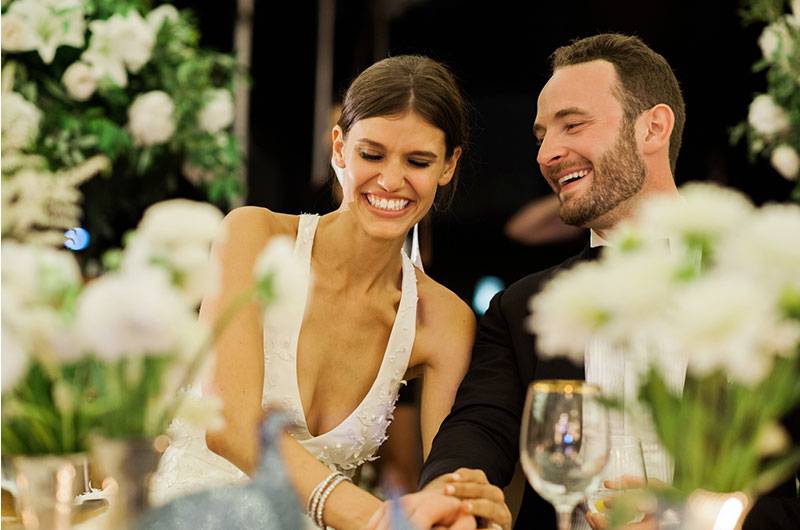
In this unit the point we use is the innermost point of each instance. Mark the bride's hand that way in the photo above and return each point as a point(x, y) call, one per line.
point(425, 510)
point(479, 497)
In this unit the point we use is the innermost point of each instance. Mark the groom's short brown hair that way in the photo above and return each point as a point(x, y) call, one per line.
point(645, 77)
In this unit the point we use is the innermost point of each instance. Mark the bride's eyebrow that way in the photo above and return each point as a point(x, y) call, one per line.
point(378, 145)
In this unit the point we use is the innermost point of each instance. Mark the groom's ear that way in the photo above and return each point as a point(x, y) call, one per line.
point(450, 167)
point(658, 124)
point(337, 142)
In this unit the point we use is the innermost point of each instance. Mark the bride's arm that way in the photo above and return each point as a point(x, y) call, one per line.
point(449, 330)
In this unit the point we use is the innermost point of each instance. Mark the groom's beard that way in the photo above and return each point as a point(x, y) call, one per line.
point(618, 176)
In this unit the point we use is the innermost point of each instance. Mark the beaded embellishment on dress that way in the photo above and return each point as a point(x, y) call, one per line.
point(356, 439)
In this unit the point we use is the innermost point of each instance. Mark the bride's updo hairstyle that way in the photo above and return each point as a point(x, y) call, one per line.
point(394, 86)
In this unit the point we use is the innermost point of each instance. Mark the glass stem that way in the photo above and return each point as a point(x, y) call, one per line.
point(564, 519)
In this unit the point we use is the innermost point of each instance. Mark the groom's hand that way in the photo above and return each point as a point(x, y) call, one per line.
point(479, 497)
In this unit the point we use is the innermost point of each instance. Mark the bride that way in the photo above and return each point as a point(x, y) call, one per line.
point(371, 321)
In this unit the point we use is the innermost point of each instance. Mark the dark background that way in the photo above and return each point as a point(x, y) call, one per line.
point(499, 51)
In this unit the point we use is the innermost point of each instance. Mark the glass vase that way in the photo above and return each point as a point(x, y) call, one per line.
point(126, 465)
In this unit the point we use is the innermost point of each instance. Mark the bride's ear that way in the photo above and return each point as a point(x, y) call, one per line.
point(450, 167)
point(337, 142)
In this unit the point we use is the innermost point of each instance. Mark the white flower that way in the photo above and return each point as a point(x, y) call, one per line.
point(767, 247)
point(17, 34)
point(794, 18)
point(278, 265)
point(150, 118)
point(775, 40)
point(772, 440)
point(721, 322)
point(217, 114)
point(105, 55)
point(786, 161)
point(20, 121)
point(14, 361)
point(80, 81)
point(47, 24)
point(157, 17)
point(37, 274)
point(139, 39)
point(178, 233)
point(204, 412)
point(131, 314)
point(767, 117)
point(703, 213)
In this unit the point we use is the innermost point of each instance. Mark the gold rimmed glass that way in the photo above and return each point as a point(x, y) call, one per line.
point(564, 442)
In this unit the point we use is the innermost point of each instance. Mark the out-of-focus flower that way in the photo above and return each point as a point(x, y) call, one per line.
point(20, 121)
point(775, 42)
point(117, 43)
point(80, 81)
point(150, 118)
point(14, 362)
point(217, 114)
point(280, 280)
point(17, 35)
point(157, 17)
point(767, 117)
point(786, 161)
point(204, 412)
point(44, 25)
point(130, 314)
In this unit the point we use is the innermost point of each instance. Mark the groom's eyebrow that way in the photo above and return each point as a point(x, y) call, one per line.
point(539, 129)
point(379, 145)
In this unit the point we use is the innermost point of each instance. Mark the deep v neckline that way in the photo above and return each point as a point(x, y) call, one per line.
point(407, 268)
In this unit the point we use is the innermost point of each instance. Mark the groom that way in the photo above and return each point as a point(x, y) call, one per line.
point(609, 123)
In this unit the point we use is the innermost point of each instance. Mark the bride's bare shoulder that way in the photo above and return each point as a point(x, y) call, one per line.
point(246, 230)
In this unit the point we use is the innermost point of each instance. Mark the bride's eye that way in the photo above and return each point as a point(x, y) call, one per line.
point(418, 163)
point(369, 156)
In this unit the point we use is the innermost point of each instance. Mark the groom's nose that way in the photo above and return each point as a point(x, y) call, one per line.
point(550, 152)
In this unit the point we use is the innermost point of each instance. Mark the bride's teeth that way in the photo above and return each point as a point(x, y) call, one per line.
point(387, 204)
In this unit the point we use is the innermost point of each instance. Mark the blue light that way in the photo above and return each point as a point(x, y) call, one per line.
point(568, 439)
point(485, 289)
point(76, 238)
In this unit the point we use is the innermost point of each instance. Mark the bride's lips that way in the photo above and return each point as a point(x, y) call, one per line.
point(389, 214)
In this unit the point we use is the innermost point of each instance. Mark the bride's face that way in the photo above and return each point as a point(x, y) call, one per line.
point(392, 168)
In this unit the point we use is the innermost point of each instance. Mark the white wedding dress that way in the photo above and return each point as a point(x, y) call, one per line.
point(188, 465)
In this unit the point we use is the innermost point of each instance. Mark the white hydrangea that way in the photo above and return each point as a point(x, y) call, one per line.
point(44, 25)
point(130, 314)
point(179, 233)
point(151, 118)
point(218, 112)
point(767, 247)
point(278, 262)
point(79, 81)
point(786, 161)
point(767, 117)
point(703, 211)
point(20, 121)
point(720, 322)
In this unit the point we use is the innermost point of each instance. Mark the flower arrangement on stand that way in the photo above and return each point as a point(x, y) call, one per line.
point(772, 128)
point(109, 356)
point(723, 297)
point(117, 79)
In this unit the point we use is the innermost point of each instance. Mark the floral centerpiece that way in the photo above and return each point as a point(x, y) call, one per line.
point(773, 122)
point(117, 79)
point(713, 282)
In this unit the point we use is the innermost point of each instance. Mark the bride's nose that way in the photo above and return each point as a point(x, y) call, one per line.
point(391, 177)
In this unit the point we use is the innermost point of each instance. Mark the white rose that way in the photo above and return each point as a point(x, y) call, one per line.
point(218, 112)
point(786, 161)
point(17, 34)
point(766, 117)
point(139, 39)
point(278, 265)
point(150, 118)
point(20, 121)
point(131, 314)
point(157, 17)
point(80, 81)
point(775, 38)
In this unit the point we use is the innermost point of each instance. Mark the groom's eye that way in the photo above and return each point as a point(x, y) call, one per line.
point(571, 126)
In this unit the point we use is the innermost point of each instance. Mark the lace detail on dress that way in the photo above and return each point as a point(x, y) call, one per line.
point(357, 438)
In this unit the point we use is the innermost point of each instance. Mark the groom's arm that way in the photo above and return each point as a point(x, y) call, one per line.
point(482, 430)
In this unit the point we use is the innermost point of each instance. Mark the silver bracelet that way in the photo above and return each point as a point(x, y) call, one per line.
point(313, 499)
point(318, 519)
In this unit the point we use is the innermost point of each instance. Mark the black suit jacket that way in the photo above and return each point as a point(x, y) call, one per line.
point(482, 429)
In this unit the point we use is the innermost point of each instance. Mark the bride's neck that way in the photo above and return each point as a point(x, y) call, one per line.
point(351, 260)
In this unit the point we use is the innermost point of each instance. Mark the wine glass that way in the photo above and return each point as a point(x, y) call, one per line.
point(563, 442)
point(625, 467)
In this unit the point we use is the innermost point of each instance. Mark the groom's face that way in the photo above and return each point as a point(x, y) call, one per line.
point(588, 151)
